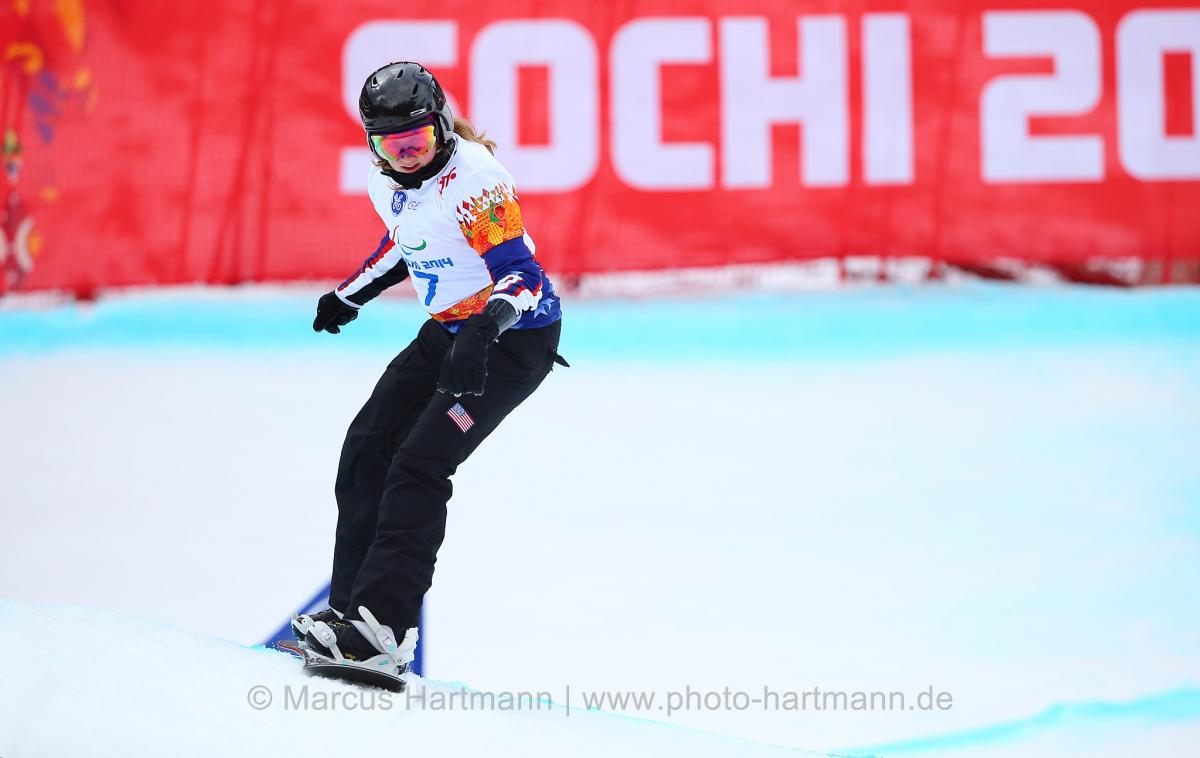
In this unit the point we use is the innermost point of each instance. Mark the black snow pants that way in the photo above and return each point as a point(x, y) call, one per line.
point(393, 479)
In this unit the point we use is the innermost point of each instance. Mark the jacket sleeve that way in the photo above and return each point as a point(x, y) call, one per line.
point(489, 217)
point(384, 268)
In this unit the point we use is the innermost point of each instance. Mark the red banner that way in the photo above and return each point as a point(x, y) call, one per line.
point(150, 142)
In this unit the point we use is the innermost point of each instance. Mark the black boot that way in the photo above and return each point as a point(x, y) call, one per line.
point(352, 643)
point(302, 623)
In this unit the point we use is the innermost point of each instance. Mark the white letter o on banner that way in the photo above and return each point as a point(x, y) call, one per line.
point(569, 51)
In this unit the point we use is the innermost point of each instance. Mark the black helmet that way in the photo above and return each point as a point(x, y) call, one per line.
point(402, 94)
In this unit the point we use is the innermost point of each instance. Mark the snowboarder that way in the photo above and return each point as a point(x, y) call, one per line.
point(455, 225)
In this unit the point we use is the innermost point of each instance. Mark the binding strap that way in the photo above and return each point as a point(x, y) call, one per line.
point(326, 637)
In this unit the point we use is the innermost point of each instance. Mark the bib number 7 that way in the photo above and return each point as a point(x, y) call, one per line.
point(433, 280)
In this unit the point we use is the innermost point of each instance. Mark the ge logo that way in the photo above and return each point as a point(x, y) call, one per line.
point(398, 199)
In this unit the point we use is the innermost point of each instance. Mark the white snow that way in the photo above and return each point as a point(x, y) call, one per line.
point(84, 683)
point(1010, 520)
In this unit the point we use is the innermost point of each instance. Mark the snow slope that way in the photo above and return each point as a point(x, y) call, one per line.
point(90, 683)
point(94, 683)
point(988, 490)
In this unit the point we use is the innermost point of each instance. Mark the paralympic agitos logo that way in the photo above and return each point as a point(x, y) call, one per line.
point(410, 249)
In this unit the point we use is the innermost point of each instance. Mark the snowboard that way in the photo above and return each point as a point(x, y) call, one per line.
point(316, 664)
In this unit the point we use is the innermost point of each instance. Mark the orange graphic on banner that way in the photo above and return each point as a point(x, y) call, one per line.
point(43, 74)
point(490, 219)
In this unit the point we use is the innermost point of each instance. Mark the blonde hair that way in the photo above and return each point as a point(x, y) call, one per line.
point(464, 129)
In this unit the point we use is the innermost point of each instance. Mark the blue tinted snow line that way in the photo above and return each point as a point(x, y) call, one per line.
point(1173, 706)
point(868, 322)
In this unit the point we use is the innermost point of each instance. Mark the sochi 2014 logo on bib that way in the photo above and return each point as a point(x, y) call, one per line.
point(398, 199)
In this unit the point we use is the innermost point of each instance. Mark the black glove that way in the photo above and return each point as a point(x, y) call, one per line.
point(464, 370)
point(332, 314)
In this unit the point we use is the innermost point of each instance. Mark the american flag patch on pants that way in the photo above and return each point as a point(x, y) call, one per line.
point(460, 417)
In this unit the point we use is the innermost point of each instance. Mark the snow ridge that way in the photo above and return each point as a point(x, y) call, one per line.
point(94, 683)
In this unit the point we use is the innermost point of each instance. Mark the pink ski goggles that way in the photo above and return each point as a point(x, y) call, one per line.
point(412, 143)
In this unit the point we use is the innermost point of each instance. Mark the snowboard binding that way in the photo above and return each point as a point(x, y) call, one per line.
point(363, 652)
point(304, 622)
